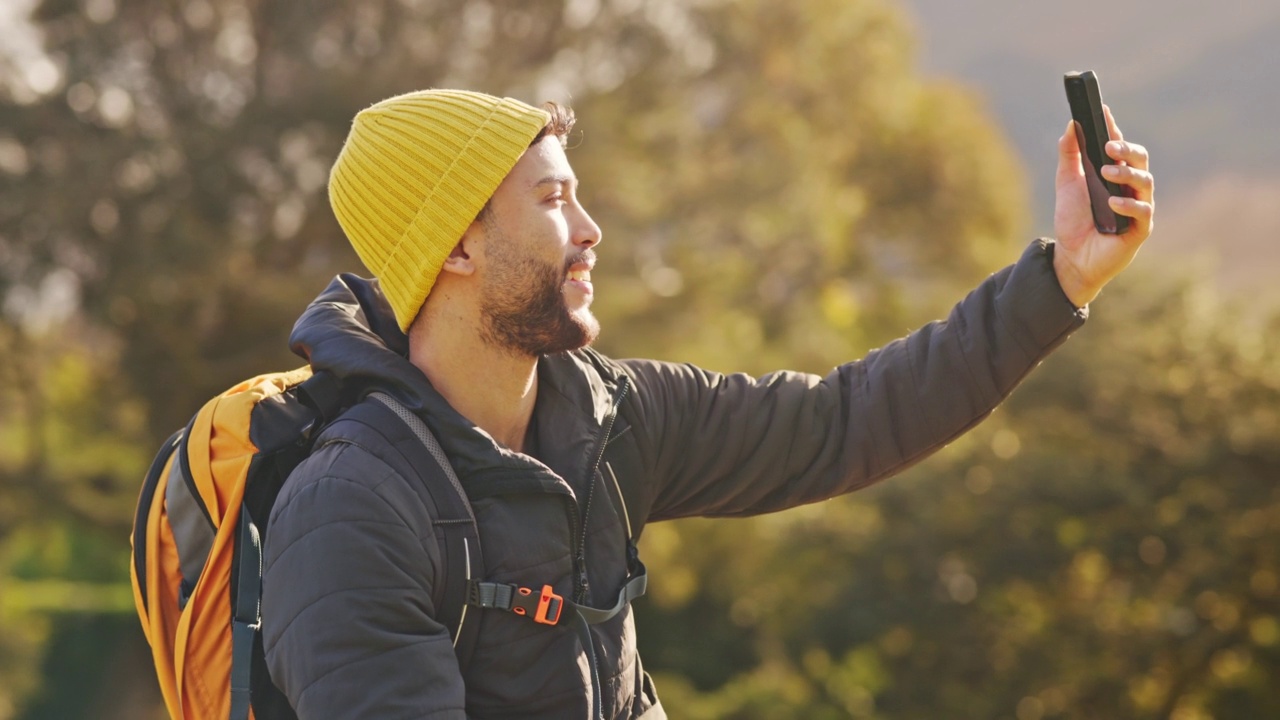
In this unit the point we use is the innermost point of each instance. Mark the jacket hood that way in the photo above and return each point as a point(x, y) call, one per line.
point(350, 330)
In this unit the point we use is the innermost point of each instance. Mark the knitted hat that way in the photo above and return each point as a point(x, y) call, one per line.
point(414, 173)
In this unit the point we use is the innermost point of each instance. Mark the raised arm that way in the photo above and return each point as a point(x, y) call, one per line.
point(736, 445)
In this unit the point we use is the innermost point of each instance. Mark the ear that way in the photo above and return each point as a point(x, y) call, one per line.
point(460, 261)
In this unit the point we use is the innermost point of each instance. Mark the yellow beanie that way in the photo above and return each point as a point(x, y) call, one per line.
point(414, 173)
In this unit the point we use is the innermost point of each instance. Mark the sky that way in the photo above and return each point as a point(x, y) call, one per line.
point(1196, 82)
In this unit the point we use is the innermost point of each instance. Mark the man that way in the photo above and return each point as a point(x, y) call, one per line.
point(465, 208)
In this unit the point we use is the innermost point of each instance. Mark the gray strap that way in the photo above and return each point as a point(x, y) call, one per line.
point(432, 445)
point(246, 615)
point(420, 429)
point(492, 595)
point(192, 531)
point(634, 588)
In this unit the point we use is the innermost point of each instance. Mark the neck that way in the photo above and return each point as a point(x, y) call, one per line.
point(492, 388)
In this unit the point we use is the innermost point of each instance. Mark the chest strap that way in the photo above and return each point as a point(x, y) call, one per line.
point(545, 606)
point(541, 607)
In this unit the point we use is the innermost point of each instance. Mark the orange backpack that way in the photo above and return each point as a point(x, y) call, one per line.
point(203, 512)
point(201, 517)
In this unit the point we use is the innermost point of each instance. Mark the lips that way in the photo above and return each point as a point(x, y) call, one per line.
point(578, 273)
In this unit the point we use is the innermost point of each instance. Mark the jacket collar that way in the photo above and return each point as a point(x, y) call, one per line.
point(350, 331)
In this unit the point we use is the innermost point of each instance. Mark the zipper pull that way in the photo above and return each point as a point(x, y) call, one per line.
point(584, 586)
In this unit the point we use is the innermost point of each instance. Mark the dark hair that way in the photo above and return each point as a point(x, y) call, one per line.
point(560, 124)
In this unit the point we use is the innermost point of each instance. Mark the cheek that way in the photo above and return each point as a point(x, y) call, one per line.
point(557, 224)
point(561, 232)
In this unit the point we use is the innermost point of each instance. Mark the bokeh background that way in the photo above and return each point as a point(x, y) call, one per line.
point(781, 184)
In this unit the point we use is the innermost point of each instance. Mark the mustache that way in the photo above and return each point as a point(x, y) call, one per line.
point(586, 256)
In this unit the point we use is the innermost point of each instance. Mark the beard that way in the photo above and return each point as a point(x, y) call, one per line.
point(524, 311)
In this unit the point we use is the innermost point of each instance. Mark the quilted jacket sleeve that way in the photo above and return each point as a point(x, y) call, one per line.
point(736, 445)
point(348, 622)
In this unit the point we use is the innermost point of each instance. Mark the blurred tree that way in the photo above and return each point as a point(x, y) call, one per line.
point(175, 179)
point(786, 191)
point(163, 216)
point(1107, 545)
point(778, 188)
point(163, 220)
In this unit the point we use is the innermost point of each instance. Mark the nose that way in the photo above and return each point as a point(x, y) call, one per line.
point(586, 233)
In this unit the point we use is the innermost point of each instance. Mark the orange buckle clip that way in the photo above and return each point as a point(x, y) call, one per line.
point(547, 604)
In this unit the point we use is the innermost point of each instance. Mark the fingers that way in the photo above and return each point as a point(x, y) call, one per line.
point(1121, 151)
point(1129, 153)
point(1069, 166)
point(1142, 182)
point(1113, 130)
point(1067, 143)
point(1142, 213)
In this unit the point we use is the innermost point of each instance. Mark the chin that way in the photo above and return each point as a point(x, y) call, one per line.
point(591, 334)
point(589, 325)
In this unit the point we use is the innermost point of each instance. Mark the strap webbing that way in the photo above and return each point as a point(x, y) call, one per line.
point(510, 598)
point(493, 596)
point(245, 613)
point(456, 523)
point(513, 598)
point(429, 441)
point(633, 589)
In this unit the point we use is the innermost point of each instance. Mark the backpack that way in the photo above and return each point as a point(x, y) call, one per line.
point(203, 512)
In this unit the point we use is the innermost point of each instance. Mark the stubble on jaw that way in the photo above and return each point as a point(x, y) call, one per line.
point(524, 311)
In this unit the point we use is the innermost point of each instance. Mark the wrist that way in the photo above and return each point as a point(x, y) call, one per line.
point(1079, 291)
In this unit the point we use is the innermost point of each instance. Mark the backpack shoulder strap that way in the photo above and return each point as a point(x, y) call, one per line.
point(415, 453)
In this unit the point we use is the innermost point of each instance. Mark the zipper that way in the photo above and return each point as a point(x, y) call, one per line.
point(579, 524)
point(579, 562)
point(578, 528)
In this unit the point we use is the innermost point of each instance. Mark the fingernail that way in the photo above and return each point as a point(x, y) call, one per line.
point(1110, 170)
point(1114, 146)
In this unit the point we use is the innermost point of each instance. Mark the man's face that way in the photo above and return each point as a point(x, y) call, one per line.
point(536, 276)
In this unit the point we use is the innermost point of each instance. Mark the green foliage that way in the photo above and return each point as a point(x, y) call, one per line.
point(778, 188)
point(1106, 545)
point(807, 187)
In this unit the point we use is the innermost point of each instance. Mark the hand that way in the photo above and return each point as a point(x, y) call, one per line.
point(1084, 259)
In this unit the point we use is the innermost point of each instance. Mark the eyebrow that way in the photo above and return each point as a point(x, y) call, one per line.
point(558, 179)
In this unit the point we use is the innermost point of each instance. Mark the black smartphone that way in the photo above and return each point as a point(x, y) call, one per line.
point(1092, 135)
